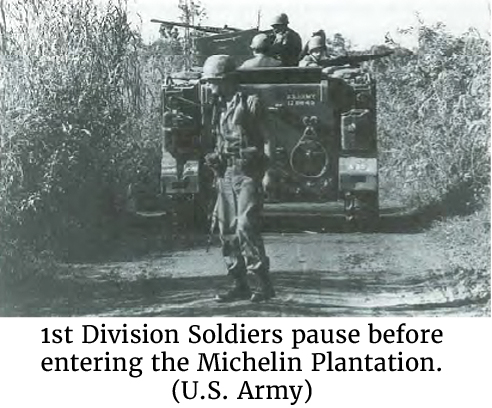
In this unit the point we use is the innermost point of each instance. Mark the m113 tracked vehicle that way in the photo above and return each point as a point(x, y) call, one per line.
point(320, 125)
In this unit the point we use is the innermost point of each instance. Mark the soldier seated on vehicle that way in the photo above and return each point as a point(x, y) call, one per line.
point(305, 49)
point(260, 46)
point(286, 43)
point(317, 53)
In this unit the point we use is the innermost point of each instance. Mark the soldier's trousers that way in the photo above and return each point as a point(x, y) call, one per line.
point(239, 207)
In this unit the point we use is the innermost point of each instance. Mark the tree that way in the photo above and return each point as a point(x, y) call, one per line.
point(338, 45)
point(192, 13)
point(174, 51)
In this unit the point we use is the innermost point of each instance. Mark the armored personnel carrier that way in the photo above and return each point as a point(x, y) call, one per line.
point(321, 129)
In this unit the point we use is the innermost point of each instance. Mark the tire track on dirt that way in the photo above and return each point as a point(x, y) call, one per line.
point(315, 274)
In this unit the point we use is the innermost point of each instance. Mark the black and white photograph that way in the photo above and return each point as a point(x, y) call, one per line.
point(204, 158)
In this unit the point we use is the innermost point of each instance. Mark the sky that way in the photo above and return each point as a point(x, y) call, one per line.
point(364, 22)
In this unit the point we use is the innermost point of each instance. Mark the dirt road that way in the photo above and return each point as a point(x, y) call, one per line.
point(317, 271)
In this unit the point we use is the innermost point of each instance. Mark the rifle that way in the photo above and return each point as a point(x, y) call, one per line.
point(205, 29)
point(213, 220)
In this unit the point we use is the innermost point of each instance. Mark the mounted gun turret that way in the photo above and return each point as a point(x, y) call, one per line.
point(220, 40)
point(205, 29)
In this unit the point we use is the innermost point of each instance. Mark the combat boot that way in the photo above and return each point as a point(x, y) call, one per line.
point(264, 290)
point(240, 291)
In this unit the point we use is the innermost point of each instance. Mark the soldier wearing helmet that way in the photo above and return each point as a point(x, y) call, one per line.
point(287, 44)
point(260, 46)
point(238, 161)
point(317, 52)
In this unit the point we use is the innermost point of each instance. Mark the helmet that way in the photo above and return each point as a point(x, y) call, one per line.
point(260, 42)
point(316, 42)
point(280, 19)
point(218, 67)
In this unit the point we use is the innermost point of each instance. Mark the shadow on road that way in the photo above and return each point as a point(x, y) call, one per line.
point(93, 289)
point(309, 293)
point(398, 224)
point(137, 237)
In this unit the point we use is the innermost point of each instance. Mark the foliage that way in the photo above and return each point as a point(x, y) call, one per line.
point(338, 45)
point(434, 122)
point(466, 243)
point(71, 103)
point(173, 50)
point(79, 119)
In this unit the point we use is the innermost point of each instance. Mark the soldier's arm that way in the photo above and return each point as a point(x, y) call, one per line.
point(296, 42)
point(305, 62)
point(258, 122)
point(264, 145)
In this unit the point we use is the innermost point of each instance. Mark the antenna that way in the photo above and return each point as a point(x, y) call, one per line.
point(258, 19)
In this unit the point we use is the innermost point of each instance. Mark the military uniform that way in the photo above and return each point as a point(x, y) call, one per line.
point(310, 61)
point(240, 161)
point(260, 61)
point(240, 195)
point(286, 43)
point(317, 52)
point(287, 47)
point(260, 45)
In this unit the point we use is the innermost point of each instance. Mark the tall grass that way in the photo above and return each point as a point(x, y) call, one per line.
point(434, 119)
point(71, 107)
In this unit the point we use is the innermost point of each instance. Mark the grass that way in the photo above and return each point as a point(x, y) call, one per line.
point(466, 243)
point(76, 125)
point(434, 119)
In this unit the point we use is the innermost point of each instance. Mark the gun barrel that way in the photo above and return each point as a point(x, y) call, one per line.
point(206, 29)
point(354, 59)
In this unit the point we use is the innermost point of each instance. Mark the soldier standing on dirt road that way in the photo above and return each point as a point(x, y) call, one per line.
point(287, 44)
point(238, 161)
point(260, 46)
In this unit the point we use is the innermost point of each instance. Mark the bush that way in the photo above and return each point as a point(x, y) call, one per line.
point(434, 121)
point(466, 244)
point(72, 105)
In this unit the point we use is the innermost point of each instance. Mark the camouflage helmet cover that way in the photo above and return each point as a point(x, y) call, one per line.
point(316, 41)
point(218, 67)
point(260, 42)
point(280, 19)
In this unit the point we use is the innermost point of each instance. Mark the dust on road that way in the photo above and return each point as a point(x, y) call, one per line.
point(315, 274)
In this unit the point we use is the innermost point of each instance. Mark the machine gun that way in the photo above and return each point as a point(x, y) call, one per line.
point(205, 29)
point(353, 59)
point(218, 40)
